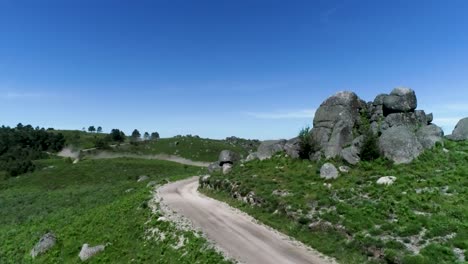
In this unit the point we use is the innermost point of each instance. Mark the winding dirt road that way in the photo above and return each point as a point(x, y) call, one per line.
point(232, 231)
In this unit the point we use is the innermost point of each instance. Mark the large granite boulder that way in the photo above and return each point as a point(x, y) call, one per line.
point(400, 144)
point(335, 120)
point(461, 130)
point(400, 100)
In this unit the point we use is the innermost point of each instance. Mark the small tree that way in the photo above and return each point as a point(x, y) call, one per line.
point(136, 134)
point(146, 136)
point(99, 129)
point(154, 136)
point(307, 144)
point(117, 135)
point(370, 148)
point(91, 129)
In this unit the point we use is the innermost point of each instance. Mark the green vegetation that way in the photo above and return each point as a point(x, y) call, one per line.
point(95, 202)
point(421, 218)
point(19, 146)
point(82, 140)
point(117, 136)
point(370, 149)
point(190, 147)
point(307, 145)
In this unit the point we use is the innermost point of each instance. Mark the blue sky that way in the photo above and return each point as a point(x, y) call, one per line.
point(255, 69)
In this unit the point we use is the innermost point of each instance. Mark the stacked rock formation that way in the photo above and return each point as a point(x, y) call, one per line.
point(403, 131)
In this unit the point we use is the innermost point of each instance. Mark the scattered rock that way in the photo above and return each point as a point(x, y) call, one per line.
point(445, 150)
point(87, 252)
point(280, 193)
point(205, 179)
point(214, 167)
point(461, 130)
point(328, 171)
point(142, 178)
point(386, 180)
point(46, 242)
point(251, 156)
point(351, 155)
point(344, 169)
point(227, 168)
point(460, 253)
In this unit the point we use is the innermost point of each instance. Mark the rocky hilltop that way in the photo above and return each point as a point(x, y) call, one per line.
point(403, 132)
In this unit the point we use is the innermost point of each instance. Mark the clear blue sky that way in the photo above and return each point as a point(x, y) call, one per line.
point(254, 69)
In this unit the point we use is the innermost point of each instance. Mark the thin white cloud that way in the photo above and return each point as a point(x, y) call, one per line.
point(296, 114)
point(20, 95)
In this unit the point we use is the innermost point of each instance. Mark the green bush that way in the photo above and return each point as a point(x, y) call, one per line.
point(307, 144)
point(370, 148)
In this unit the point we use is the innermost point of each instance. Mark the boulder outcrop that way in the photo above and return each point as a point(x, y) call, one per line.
point(403, 132)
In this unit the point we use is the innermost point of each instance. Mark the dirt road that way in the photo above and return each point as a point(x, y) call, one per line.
point(234, 232)
point(111, 155)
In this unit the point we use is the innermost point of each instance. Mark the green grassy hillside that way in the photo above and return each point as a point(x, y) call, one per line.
point(95, 202)
point(193, 148)
point(421, 218)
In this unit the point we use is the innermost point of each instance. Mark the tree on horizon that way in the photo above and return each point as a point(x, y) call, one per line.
point(136, 134)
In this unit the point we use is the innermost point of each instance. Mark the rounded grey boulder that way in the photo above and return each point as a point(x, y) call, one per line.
point(429, 135)
point(400, 144)
point(329, 171)
point(400, 100)
point(228, 156)
point(461, 130)
point(292, 148)
point(46, 242)
point(214, 167)
point(270, 147)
